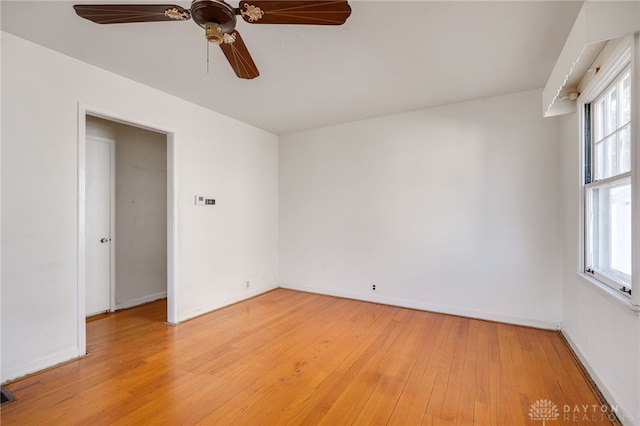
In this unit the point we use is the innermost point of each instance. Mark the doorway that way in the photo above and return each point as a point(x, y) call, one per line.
point(138, 243)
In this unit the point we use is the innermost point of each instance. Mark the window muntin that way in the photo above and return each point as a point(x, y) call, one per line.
point(612, 129)
point(608, 186)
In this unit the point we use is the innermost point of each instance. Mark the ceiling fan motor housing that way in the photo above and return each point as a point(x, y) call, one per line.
point(216, 11)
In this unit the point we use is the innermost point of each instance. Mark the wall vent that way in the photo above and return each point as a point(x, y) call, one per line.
point(6, 395)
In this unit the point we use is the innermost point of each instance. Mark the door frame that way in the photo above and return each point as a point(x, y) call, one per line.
point(112, 217)
point(83, 111)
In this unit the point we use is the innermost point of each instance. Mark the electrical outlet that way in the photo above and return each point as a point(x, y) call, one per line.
point(373, 287)
point(248, 284)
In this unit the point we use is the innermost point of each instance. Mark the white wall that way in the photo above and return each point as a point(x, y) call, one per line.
point(604, 332)
point(141, 216)
point(453, 209)
point(218, 248)
point(141, 211)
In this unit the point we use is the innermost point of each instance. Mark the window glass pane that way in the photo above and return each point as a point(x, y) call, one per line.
point(599, 161)
point(625, 99)
point(611, 111)
point(620, 223)
point(598, 123)
point(624, 144)
point(611, 148)
point(609, 230)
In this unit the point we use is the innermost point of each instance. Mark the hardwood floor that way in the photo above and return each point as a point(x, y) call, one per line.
point(289, 357)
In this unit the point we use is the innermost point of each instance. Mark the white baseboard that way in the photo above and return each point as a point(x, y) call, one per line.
point(225, 301)
point(141, 300)
point(15, 372)
point(412, 304)
point(626, 418)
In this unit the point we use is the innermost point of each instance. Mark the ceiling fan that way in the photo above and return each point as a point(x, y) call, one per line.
point(218, 19)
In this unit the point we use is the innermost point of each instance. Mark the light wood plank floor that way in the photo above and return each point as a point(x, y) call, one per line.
point(288, 357)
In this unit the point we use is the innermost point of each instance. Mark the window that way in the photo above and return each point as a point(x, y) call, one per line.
point(607, 187)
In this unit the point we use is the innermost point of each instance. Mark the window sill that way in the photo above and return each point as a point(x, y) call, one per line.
point(615, 295)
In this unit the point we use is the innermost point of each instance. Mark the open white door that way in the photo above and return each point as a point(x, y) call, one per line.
point(98, 210)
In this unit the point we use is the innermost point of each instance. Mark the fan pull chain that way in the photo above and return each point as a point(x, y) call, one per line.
point(208, 48)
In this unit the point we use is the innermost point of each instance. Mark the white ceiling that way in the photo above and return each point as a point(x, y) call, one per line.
point(389, 57)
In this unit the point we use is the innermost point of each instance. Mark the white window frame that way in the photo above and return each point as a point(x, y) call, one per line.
point(627, 54)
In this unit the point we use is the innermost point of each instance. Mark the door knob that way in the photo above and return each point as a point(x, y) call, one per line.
point(104, 240)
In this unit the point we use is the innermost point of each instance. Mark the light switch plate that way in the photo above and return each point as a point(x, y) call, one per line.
point(199, 200)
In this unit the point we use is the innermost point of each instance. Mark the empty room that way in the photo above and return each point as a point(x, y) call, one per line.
point(320, 212)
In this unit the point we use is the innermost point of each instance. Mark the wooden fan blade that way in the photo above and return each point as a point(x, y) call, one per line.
point(126, 13)
point(326, 12)
point(239, 57)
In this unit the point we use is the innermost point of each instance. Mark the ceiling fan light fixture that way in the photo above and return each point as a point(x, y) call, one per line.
point(214, 33)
